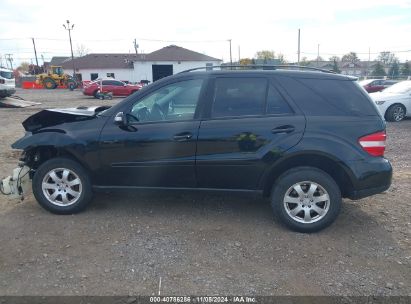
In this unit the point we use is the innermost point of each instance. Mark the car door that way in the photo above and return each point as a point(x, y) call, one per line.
point(249, 125)
point(107, 86)
point(119, 88)
point(157, 147)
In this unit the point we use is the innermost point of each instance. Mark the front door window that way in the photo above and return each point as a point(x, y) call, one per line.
point(174, 102)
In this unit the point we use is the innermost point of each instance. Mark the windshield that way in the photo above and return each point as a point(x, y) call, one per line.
point(399, 88)
point(58, 70)
point(6, 74)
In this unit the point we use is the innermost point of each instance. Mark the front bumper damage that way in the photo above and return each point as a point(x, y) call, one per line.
point(17, 185)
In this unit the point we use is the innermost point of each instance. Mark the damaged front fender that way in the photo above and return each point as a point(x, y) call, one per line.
point(55, 138)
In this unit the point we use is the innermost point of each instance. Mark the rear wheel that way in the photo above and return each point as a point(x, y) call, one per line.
point(306, 199)
point(49, 84)
point(395, 113)
point(62, 186)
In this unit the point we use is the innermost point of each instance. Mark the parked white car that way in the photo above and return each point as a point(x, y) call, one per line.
point(7, 83)
point(394, 103)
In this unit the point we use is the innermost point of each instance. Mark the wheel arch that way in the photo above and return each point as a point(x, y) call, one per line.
point(327, 163)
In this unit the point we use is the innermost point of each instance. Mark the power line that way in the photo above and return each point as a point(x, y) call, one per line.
point(121, 39)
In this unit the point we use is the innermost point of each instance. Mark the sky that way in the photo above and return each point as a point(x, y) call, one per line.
point(338, 27)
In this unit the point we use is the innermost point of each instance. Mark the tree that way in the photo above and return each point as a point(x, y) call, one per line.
point(319, 58)
point(304, 61)
point(394, 70)
point(24, 67)
point(335, 58)
point(386, 57)
point(245, 61)
point(81, 50)
point(350, 57)
point(378, 70)
point(265, 54)
point(405, 70)
point(281, 58)
point(335, 68)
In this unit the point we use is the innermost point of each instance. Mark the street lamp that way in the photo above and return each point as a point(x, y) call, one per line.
point(69, 28)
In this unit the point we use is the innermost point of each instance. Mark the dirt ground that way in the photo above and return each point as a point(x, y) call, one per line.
point(200, 244)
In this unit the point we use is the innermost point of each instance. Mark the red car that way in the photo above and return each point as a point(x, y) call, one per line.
point(117, 88)
point(376, 85)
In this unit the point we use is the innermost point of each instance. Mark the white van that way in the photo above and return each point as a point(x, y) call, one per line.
point(7, 83)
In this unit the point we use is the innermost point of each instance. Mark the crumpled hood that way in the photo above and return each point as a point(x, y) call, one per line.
point(53, 117)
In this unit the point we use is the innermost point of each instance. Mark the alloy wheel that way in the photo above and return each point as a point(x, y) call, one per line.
point(306, 202)
point(62, 187)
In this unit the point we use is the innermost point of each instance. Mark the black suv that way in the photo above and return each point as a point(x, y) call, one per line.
point(303, 138)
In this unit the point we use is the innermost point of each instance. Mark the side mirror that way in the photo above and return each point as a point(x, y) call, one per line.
point(120, 119)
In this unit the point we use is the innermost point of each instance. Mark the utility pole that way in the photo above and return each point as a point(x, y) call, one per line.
point(35, 54)
point(298, 50)
point(239, 57)
point(69, 29)
point(231, 56)
point(318, 55)
point(135, 46)
point(44, 64)
point(369, 59)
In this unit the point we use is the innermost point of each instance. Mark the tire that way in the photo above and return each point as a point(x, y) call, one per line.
point(322, 207)
point(45, 186)
point(49, 84)
point(96, 94)
point(71, 85)
point(396, 112)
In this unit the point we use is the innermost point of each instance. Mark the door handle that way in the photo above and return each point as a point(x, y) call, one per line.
point(183, 136)
point(283, 129)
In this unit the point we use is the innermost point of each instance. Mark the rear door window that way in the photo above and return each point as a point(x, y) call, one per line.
point(239, 97)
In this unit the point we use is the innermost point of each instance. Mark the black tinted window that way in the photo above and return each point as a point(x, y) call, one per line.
point(239, 96)
point(320, 97)
point(276, 103)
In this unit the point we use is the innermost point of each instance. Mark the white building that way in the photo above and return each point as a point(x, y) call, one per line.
point(168, 61)
point(135, 68)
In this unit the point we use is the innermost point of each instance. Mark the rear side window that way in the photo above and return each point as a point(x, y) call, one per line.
point(323, 97)
point(239, 97)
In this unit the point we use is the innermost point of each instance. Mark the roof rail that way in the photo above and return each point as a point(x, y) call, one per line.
point(258, 66)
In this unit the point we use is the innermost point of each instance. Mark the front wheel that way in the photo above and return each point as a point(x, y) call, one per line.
point(62, 186)
point(49, 84)
point(306, 199)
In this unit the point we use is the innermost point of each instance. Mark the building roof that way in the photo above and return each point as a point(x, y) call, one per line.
point(125, 61)
point(103, 61)
point(57, 60)
point(176, 53)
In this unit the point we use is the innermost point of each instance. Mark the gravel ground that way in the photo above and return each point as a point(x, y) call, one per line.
point(200, 243)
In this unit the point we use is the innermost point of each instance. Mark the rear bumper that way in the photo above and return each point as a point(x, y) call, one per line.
point(370, 177)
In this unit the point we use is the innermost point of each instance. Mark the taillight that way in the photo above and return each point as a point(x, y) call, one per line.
point(374, 144)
